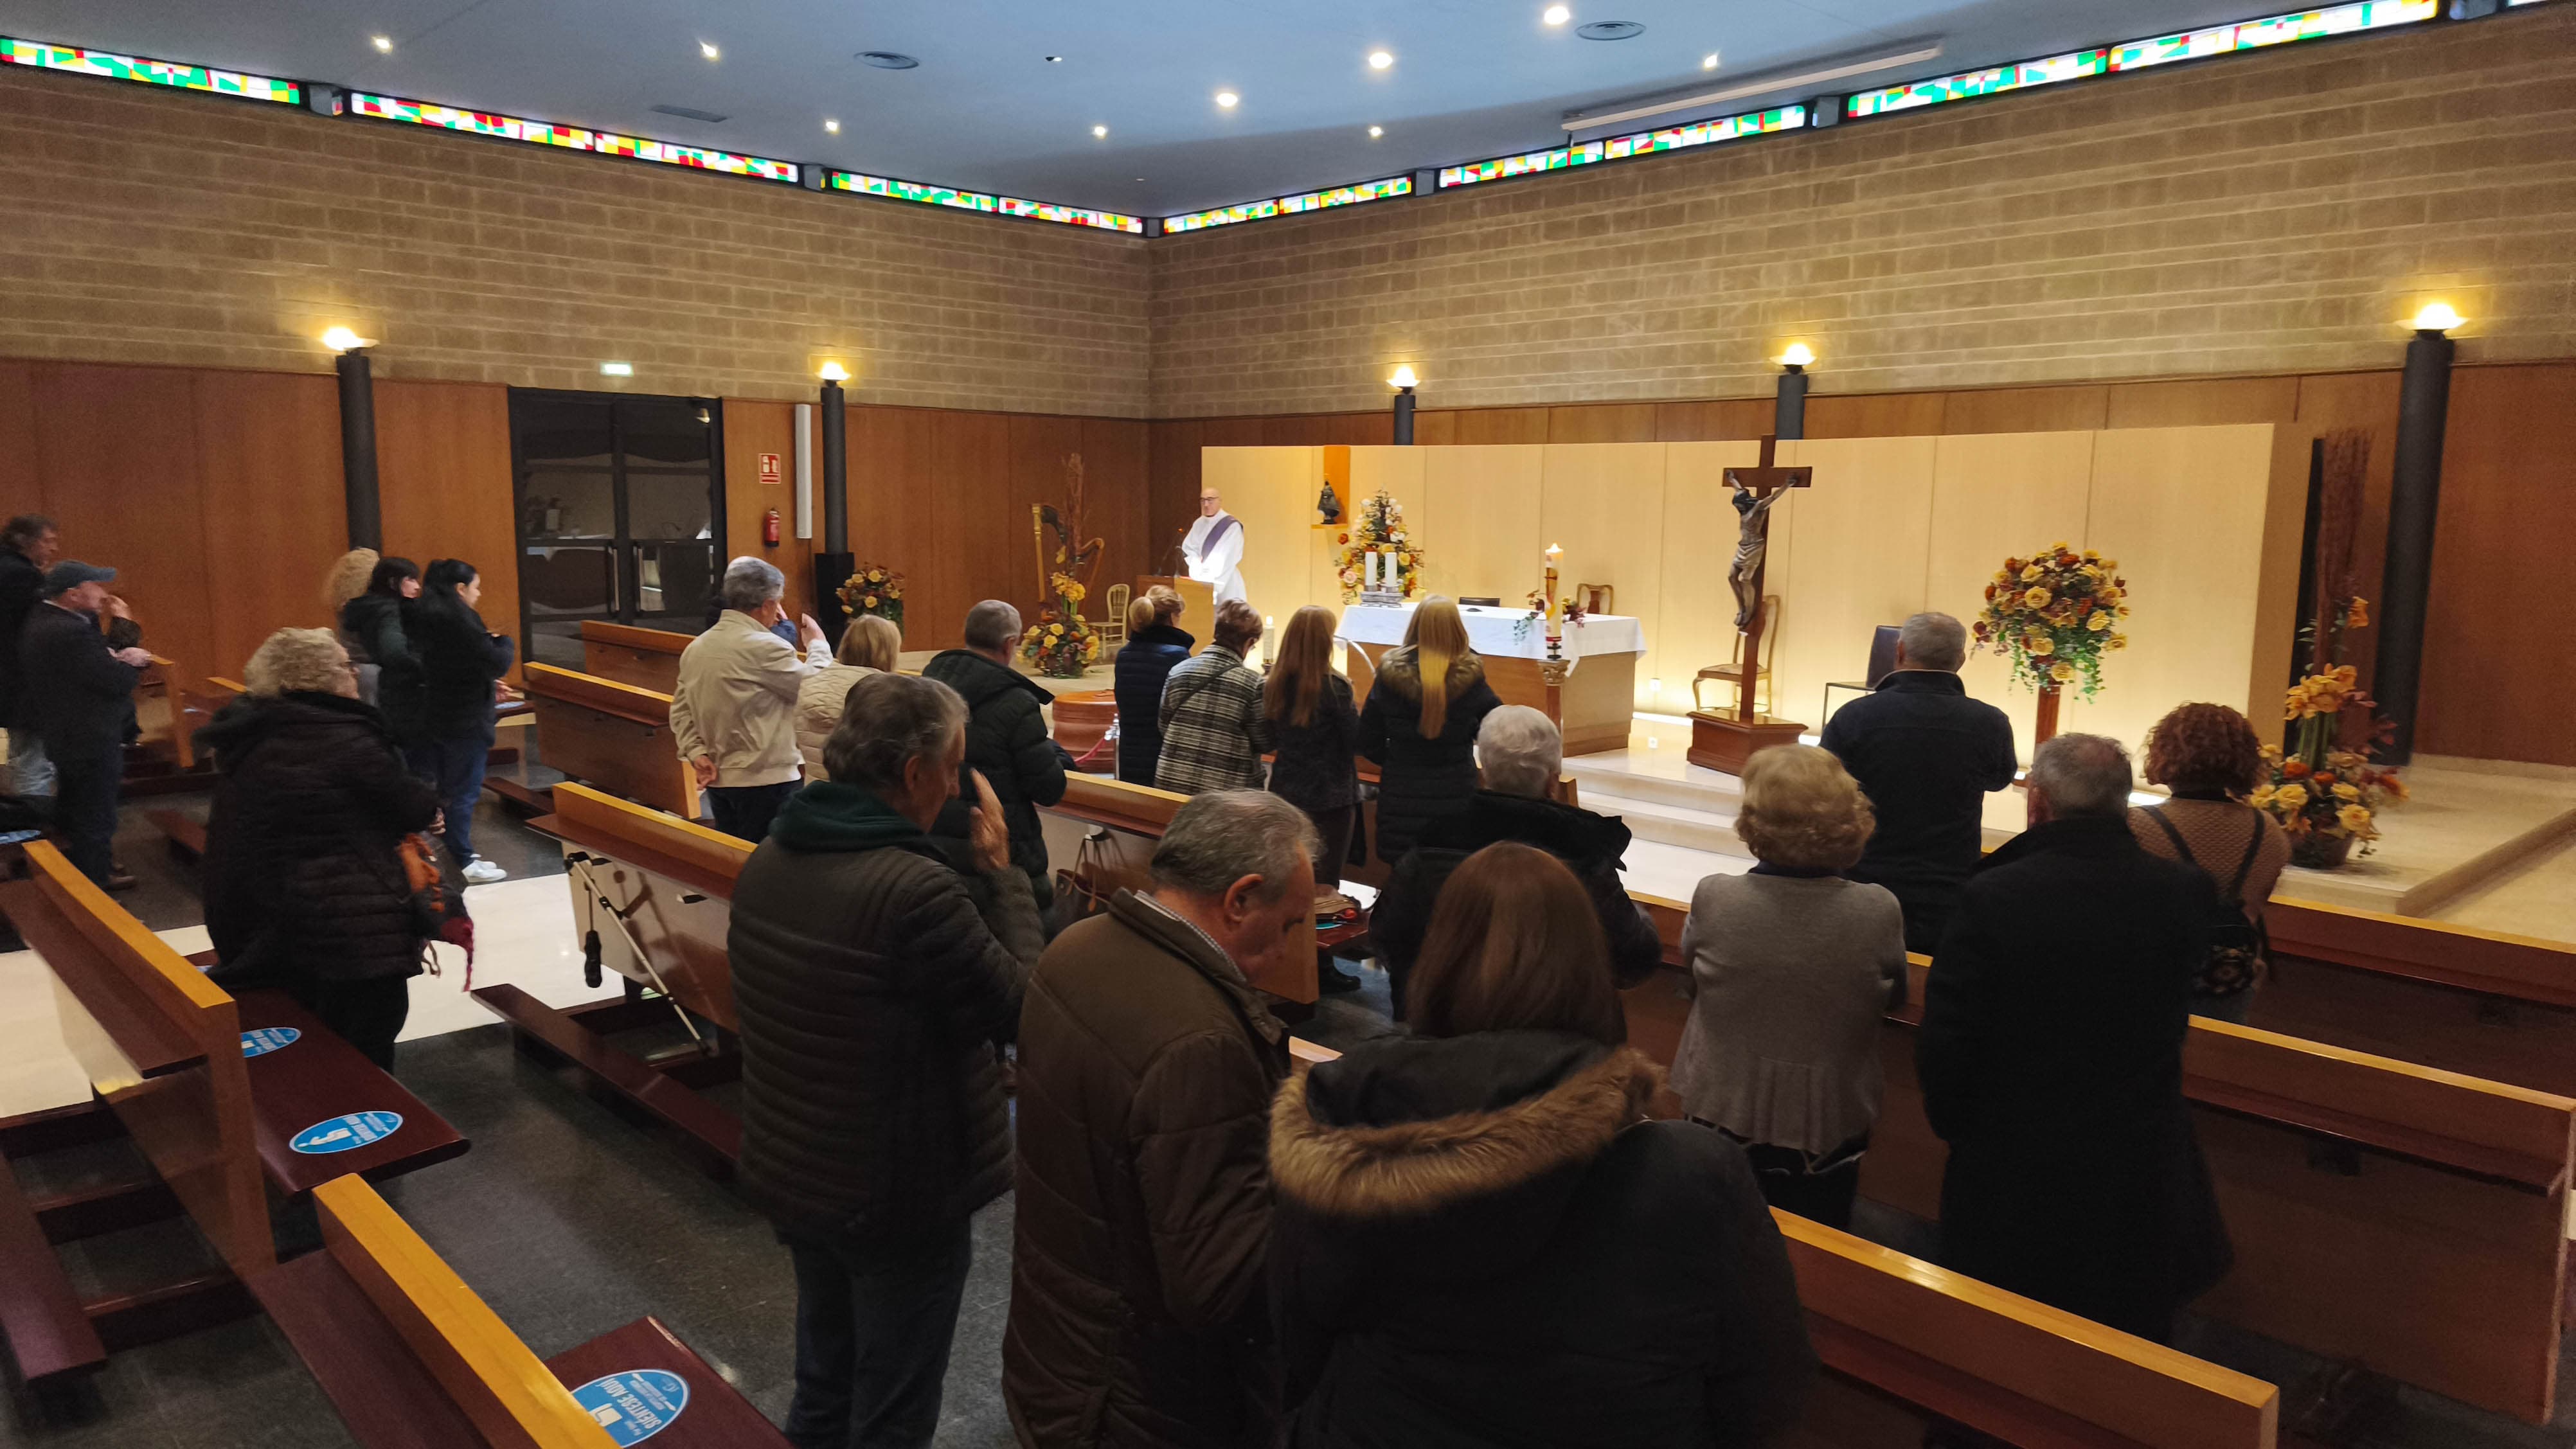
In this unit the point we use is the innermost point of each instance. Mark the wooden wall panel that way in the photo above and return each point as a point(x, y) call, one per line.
point(1480, 521)
point(1039, 446)
point(2195, 402)
point(2495, 683)
point(1114, 454)
point(1172, 486)
point(1996, 495)
point(1602, 423)
point(1501, 425)
point(750, 429)
point(276, 513)
point(443, 473)
point(891, 488)
point(1435, 429)
point(1710, 422)
point(2026, 410)
point(1880, 415)
point(976, 551)
point(117, 447)
point(2366, 400)
point(1848, 556)
point(1598, 501)
point(22, 487)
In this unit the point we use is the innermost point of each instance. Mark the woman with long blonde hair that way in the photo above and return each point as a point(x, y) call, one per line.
point(1420, 725)
point(1315, 728)
point(868, 646)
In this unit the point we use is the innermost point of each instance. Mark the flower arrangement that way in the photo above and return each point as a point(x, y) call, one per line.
point(1062, 647)
point(2327, 798)
point(1570, 611)
point(2054, 615)
point(1379, 527)
point(873, 589)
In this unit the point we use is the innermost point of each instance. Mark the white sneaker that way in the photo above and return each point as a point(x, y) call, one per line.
point(479, 871)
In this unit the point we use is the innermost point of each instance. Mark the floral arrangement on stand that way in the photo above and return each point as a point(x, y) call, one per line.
point(2053, 616)
point(1378, 530)
point(873, 589)
point(2326, 796)
point(1569, 612)
point(1064, 644)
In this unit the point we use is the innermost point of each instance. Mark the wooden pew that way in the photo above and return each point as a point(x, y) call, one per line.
point(612, 735)
point(1889, 1327)
point(645, 658)
point(412, 1358)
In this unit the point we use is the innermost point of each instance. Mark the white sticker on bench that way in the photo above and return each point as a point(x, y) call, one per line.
point(635, 1405)
point(260, 1041)
point(339, 1134)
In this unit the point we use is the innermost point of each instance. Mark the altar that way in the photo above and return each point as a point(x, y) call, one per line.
point(1593, 704)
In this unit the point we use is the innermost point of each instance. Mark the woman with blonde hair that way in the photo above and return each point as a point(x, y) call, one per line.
point(1155, 644)
point(869, 646)
point(1420, 725)
point(1791, 969)
point(1479, 1239)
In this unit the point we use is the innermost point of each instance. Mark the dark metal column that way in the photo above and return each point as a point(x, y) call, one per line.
point(1404, 417)
point(358, 450)
point(832, 562)
point(2414, 495)
point(1789, 415)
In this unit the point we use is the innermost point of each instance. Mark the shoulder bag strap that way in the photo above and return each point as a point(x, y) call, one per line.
point(2181, 846)
point(2245, 867)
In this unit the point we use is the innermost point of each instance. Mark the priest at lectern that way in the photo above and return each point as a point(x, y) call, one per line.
point(1214, 548)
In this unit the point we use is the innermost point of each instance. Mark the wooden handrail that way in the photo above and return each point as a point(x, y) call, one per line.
point(608, 696)
point(654, 641)
point(605, 823)
point(2496, 963)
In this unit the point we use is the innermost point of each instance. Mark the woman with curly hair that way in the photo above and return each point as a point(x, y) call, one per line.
point(1791, 969)
point(2210, 758)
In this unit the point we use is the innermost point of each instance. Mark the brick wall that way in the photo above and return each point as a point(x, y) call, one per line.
point(2253, 215)
point(142, 226)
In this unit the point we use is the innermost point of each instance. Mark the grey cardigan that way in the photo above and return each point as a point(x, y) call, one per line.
point(1789, 977)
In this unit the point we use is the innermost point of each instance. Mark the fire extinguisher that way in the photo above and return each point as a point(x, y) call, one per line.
point(769, 528)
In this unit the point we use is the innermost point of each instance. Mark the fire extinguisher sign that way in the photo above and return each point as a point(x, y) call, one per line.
point(769, 469)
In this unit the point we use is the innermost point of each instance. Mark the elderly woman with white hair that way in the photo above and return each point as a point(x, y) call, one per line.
point(303, 877)
point(1518, 754)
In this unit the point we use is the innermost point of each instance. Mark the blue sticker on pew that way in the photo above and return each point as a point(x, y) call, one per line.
point(339, 1134)
point(260, 1041)
point(635, 1405)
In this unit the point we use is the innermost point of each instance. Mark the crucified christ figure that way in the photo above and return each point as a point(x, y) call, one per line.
point(1745, 574)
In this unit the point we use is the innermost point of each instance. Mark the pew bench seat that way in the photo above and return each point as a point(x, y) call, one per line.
point(316, 1081)
point(48, 1329)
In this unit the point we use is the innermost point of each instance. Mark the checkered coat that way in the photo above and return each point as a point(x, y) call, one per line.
point(1214, 731)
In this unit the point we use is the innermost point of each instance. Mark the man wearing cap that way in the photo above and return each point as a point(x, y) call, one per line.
point(77, 693)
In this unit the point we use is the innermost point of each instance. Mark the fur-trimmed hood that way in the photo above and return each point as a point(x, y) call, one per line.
point(1401, 671)
point(1449, 1157)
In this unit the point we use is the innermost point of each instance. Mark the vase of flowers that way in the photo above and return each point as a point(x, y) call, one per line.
point(1063, 644)
point(2328, 798)
point(1379, 528)
point(2053, 616)
point(873, 589)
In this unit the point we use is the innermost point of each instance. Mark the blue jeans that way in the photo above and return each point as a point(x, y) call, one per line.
point(873, 1325)
point(85, 791)
point(454, 765)
point(744, 811)
point(30, 772)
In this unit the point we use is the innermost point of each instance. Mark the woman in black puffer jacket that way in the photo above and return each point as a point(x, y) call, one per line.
point(442, 706)
point(371, 625)
point(1481, 1241)
point(1153, 647)
point(303, 875)
point(1420, 724)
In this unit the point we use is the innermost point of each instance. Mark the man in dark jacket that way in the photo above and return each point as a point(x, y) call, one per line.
point(1926, 755)
point(2051, 1060)
point(1143, 663)
point(1006, 736)
point(871, 990)
point(28, 544)
point(1147, 1066)
point(1518, 754)
point(79, 696)
point(303, 874)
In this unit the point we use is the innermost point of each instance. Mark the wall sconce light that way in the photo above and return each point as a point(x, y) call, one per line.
point(1789, 414)
point(1404, 382)
point(341, 339)
point(2436, 318)
point(1798, 358)
point(834, 372)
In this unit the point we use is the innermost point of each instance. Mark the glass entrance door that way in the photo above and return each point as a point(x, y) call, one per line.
point(621, 514)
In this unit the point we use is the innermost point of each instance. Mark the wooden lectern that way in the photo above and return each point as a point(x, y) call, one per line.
point(1198, 606)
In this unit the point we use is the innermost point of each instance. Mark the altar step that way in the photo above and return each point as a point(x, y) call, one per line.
point(1695, 811)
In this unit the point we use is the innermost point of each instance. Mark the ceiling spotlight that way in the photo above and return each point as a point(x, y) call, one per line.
point(384, 44)
point(1376, 131)
point(341, 339)
point(1381, 59)
point(888, 60)
point(1099, 131)
point(708, 49)
point(1708, 61)
point(1055, 60)
point(617, 369)
point(1226, 99)
point(833, 127)
point(1556, 15)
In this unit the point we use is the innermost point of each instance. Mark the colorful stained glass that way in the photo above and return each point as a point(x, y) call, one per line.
point(1642, 143)
point(547, 133)
point(1072, 215)
point(1303, 201)
point(2140, 54)
point(893, 190)
point(149, 72)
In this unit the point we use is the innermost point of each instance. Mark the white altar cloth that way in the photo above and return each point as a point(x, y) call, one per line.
point(1491, 631)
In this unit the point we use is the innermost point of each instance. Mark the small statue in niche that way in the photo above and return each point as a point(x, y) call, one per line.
point(1328, 507)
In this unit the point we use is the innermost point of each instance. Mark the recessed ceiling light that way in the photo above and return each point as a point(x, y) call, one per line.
point(1556, 15)
point(708, 49)
point(1610, 30)
point(1376, 131)
point(1055, 60)
point(1708, 61)
point(1381, 59)
point(383, 43)
point(1227, 99)
point(617, 369)
point(832, 126)
point(1100, 130)
point(888, 59)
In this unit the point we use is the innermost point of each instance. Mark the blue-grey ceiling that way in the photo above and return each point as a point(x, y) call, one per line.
point(1472, 78)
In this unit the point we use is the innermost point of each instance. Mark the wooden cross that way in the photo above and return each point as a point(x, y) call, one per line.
point(1763, 482)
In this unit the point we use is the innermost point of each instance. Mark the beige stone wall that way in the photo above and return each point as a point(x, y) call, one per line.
point(143, 226)
point(2251, 215)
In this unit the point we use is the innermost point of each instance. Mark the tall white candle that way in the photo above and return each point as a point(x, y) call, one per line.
point(1372, 568)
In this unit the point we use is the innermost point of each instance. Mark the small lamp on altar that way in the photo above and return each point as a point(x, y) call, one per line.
point(1404, 382)
point(1789, 414)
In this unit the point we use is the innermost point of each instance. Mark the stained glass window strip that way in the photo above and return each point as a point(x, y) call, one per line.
point(547, 133)
point(1642, 143)
point(1303, 201)
point(150, 72)
point(2140, 54)
point(927, 195)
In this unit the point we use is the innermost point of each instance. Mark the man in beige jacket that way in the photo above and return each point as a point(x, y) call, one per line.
point(733, 714)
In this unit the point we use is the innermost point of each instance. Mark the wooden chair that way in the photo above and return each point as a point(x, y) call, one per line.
point(1596, 598)
point(1113, 630)
point(1732, 671)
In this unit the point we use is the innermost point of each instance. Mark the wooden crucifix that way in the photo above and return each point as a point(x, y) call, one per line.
point(1757, 490)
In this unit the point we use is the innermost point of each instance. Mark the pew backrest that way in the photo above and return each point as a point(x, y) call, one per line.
point(616, 736)
point(2491, 962)
point(646, 657)
point(673, 877)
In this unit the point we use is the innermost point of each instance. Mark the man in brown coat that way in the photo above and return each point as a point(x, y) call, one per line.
point(1147, 1065)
